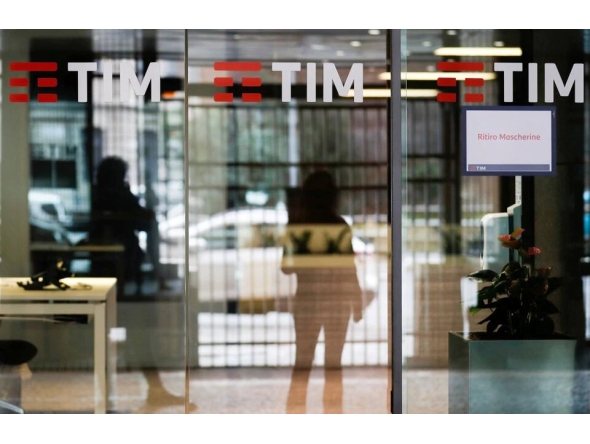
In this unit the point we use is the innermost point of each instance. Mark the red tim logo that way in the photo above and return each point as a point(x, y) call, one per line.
point(452, 81)
point(229, 81)
point(42, 82)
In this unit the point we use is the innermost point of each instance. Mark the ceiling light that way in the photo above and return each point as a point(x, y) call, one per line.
point(355, 43)
point(478, 52)
point(339, 53)
point(374, 32)
point(383, 93)
point(498, 44)
point(427, 44)
point(451, 32)
point(419, 93)
point(432, 76)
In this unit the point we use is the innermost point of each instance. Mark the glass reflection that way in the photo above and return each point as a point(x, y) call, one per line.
point(318, 250)
point(247, 163)
point(50, 155)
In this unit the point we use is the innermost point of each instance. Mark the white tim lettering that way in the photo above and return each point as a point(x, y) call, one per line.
point(311, 82)
point(508, 69)
point(533, 83)
point(355, 77)
point(107, 81)
point(129, 78)
point(576, 78)
point(83, 69)
point(287, 70)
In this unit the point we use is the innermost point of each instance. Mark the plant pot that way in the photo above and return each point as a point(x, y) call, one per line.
point(517, 376)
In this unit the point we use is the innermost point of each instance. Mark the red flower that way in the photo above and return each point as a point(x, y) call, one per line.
point(532, 251)
point(510, 240)
point(517, 232)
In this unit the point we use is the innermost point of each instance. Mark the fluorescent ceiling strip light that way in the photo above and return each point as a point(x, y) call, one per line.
point(381, 93)
point(433, 76)
point(478, 52)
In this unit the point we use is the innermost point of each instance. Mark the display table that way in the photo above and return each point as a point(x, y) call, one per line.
point(95, 297)
point(115, 253)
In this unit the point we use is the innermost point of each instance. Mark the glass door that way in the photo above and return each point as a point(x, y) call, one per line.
point(288, 250)
point(92, 180)
point(459, 217)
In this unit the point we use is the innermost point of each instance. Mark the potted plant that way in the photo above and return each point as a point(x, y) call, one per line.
point(519, 364)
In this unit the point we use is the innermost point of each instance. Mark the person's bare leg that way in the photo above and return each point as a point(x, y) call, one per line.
point(335, 334)
point(307, 330)
point(158, 396)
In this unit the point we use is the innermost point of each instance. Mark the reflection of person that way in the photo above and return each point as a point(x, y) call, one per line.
point(117, 216)
point(318, 250)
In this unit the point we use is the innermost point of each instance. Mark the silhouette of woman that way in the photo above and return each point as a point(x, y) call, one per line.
point(318, 250)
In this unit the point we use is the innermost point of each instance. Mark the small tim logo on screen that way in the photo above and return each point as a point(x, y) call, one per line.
point(22, 81)
point(247, 81)
point(448, 81)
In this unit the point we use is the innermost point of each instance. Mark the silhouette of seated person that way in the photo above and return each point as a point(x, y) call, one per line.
point(116, 218)
point(318, 250)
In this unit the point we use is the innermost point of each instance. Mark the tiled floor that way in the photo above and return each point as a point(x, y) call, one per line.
point(257, 390)
point(236, 390)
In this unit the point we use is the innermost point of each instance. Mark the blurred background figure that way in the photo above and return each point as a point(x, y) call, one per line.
point(117, 217)
point(318, 249)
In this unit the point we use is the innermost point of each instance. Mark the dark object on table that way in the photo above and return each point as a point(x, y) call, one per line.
point(52, 276)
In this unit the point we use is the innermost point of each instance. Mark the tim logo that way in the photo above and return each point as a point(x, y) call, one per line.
point(331, 80)
point(23, 82)
point(452, 81)
point(229, 81)
point(128, 80)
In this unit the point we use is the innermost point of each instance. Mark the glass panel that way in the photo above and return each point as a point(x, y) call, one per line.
point(452, 222)
point(104, 180)
point(275, 262)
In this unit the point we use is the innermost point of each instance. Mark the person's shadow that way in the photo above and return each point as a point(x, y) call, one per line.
point(318, 250)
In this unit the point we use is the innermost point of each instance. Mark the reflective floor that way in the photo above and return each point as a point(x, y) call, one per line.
point(219, 391)
point(214, 391)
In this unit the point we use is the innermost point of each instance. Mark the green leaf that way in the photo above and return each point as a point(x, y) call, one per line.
point(501, 285)
point(543, 327)
point(486, 294)
point(493, 324)
point(497, 319)
point(474, 310)
point(512, 269)
point(554, 284)
point(547, 307)
point(483, 276)
point(488, 319)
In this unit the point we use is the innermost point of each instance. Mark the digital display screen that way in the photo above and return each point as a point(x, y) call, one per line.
point(508, 140)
